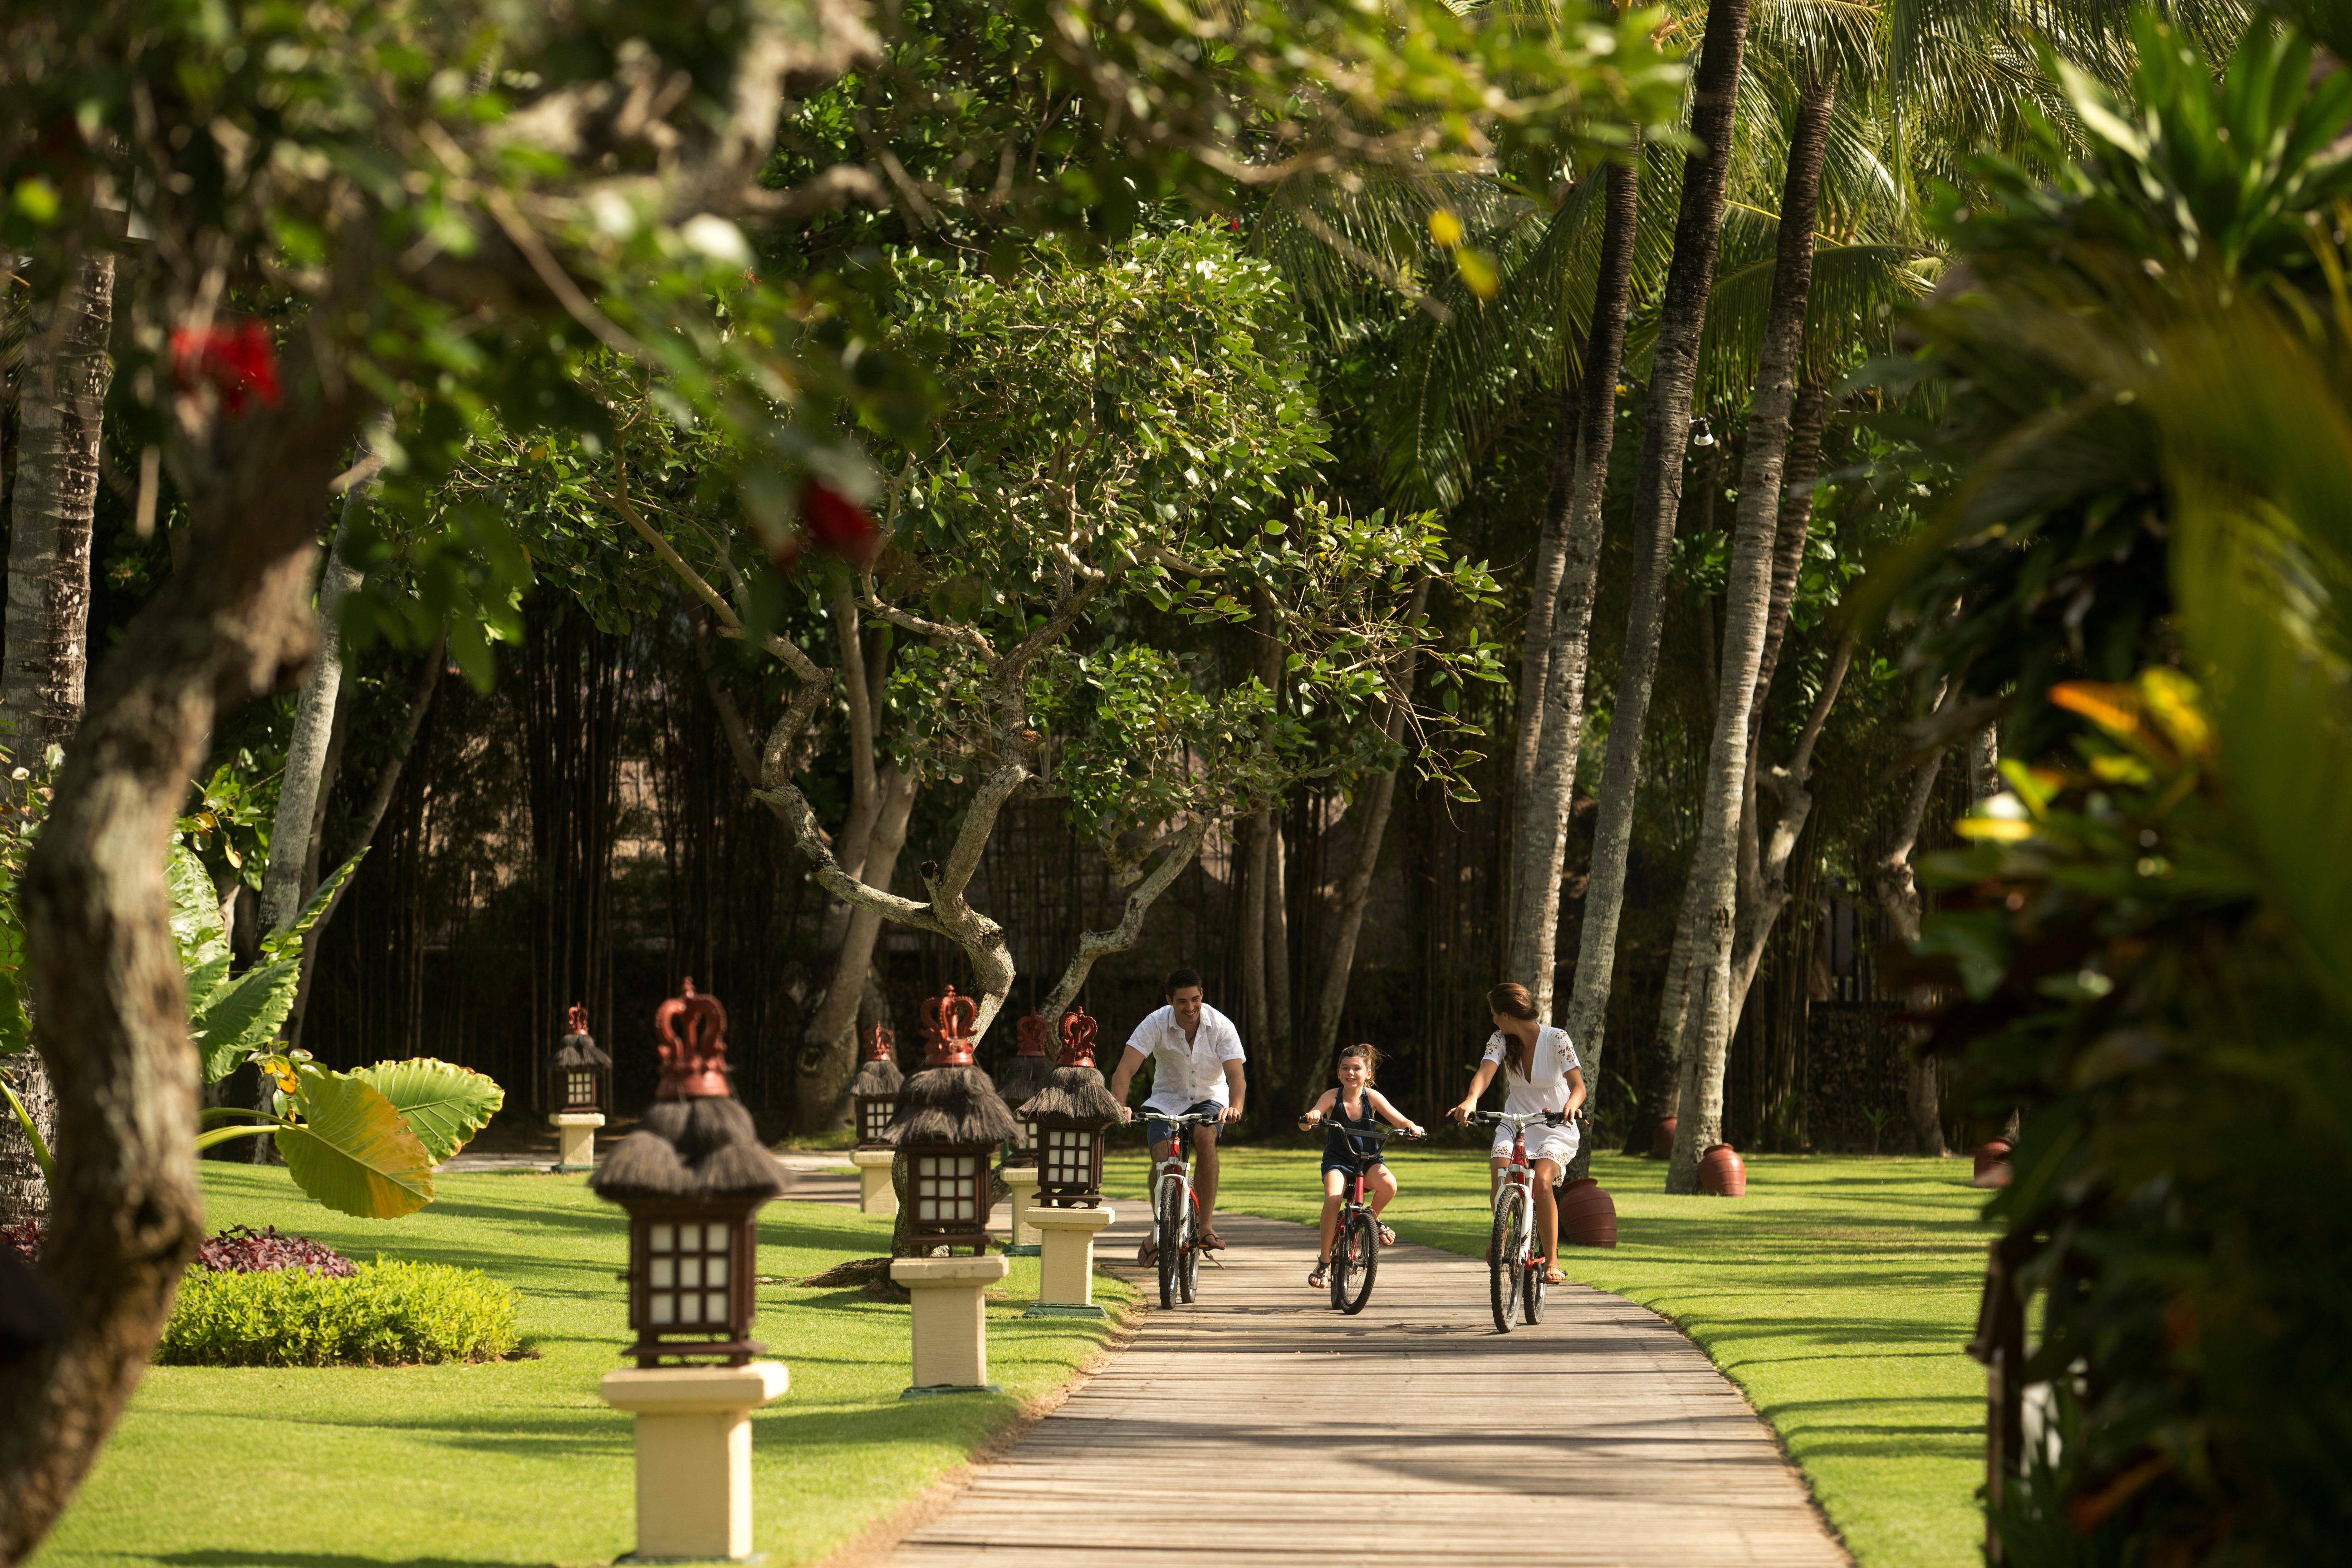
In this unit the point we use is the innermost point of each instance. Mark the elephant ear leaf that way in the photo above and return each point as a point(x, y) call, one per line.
point(195, 909)
point(444, 1104)
point(353, 1152)
point(233, 1020)
point(288, 943)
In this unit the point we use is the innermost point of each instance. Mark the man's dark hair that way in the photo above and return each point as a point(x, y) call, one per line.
point(1179, 978)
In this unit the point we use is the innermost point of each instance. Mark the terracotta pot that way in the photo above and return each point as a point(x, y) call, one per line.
point(1588, 1216)
point(1721, 1174)
point(1662, 1137)
point(1992, 1164)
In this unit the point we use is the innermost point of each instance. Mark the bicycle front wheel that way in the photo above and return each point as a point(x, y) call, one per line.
point(1170, 1227)
point(1360, 1244)
point(1505, 1262)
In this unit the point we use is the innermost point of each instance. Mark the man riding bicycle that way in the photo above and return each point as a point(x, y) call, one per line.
point(1196, 1069)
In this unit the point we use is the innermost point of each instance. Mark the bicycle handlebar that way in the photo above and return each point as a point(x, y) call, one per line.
point(1516, 1119)
point(1379, 1129)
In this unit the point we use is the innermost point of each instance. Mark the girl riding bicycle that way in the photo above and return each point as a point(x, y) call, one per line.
point(1350, 1108)
point(1539, 1073)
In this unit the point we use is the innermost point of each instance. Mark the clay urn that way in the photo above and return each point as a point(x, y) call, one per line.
point(1662, 1137)
point(1992, 1164)
point(1588, 1216)
point(1721, 1174)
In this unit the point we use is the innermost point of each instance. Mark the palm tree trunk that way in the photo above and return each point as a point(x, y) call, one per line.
point(1897, 890)
point(60, 404)
point(1373, 803)
point(1748, 602)
point(1544, 806)
point(1666, 428)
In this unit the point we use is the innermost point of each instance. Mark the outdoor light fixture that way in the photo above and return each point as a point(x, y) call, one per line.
point(1071, 1113)
point(579, 1078)
point(1700, 435)
point(692, 1178)
point(580, 1088)
point(874, 1093)
point(1023, 1077)
point(950, 1121)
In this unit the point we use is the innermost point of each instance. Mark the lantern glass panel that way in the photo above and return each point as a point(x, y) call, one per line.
point(1026, 1143)
point(686, 1270)
point(874, 1117)
point(946, 1188)
point(579, 1087)
point(1069, 1157)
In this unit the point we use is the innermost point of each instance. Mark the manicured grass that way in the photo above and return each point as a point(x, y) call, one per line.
point(518, 1462)
point(1837, 1294)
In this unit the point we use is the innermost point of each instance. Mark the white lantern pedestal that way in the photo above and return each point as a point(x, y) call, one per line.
point(1066, 1269)
point(1023, 1241)
point(874, 1194)
point(950, 1352)
point(575, 1139)
point(694, 1456)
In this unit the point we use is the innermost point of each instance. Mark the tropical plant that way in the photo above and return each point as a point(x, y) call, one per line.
point(365, 1141)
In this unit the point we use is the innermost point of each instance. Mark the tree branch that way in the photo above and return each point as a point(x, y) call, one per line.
point(1095, 944)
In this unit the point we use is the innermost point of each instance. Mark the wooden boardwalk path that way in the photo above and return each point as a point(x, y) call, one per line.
point(1261, 1427)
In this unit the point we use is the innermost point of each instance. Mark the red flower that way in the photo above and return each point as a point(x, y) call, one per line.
point(832, 523)
point(239, 360)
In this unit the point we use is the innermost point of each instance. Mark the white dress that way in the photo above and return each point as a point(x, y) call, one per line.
point(1544, 1089)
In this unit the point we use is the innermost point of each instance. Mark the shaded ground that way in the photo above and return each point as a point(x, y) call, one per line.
point(519, 1463)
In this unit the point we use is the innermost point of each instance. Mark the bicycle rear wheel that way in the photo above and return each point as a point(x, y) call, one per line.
point(1504, 1264)
point(1359, 1244)
point(1171, 1227)
point(1531, 1294)
point(1188, 1272)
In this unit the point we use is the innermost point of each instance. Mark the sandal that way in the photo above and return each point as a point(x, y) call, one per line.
point(1210, 1241)
point(1553, 1276)
point(1322, 1274)
point(1147, 1252)
point(1388, 1236)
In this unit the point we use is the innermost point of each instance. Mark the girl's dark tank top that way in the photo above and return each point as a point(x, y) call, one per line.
point(1337, 1144)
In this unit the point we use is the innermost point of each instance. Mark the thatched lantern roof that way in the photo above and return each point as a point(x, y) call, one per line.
point(695, 1140)
point(951, 1101)
point(1075, 1090)
point(578, 1049)
point(878, 1074)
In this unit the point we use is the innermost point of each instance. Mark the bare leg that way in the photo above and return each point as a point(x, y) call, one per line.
point(1547, 1177)
point(1495, 1189)
point(1335, 1186)
point(1383, 1188)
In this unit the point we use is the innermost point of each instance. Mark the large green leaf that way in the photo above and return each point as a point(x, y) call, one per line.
point(195, 909)
point(354, 1152)
point(288, 943)
point(442, 1103)
point(237, 1019)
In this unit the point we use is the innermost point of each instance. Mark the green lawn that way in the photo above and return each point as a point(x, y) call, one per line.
point(519, 1462)
point(1837, 1294)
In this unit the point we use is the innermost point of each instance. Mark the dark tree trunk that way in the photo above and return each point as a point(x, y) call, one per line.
point(234, 626)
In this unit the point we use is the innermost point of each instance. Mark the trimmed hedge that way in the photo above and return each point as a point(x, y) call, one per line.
point(384, 1314)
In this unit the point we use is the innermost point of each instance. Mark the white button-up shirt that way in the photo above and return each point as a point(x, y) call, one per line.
point(1186, 1072)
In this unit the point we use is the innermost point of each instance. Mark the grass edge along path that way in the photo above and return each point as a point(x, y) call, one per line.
point(518, 1464)
point(1837, 1294)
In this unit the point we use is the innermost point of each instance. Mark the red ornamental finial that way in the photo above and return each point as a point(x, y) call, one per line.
point(693, 1030)
point(947, 1030)
point(1077, 1039)
point(1032, 1034)
point(880, 1043)
point(576, 1021)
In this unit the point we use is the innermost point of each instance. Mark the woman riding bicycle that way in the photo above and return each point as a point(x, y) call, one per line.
point(1539, 1073)
point(1350, 1109)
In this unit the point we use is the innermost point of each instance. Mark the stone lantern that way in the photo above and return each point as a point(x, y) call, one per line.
point(692, 1177)
point(950, 1122)
point(1071, 1113)
point(580, 1086)
point(874, 1092)
point(872, 1105)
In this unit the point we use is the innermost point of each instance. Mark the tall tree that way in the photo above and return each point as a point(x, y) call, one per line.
point(1747, 613)
point(1658, 499)
point(60, 404)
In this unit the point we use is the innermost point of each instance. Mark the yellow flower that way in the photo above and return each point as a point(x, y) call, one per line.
point(1446, 228)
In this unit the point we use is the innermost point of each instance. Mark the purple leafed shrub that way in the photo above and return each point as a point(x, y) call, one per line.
point(23, 1238)
point(241, 1249)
